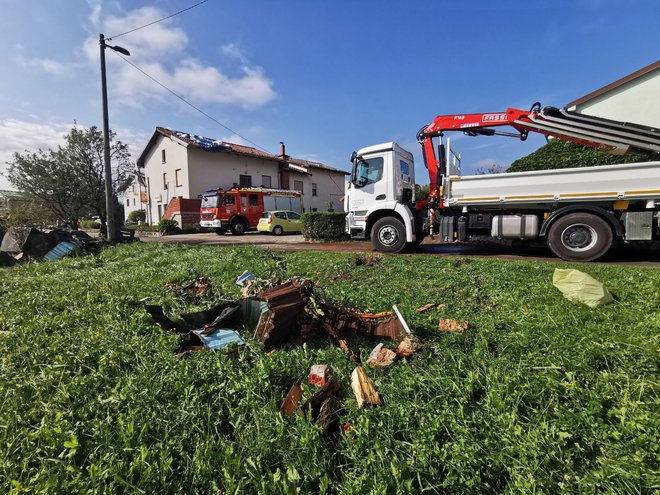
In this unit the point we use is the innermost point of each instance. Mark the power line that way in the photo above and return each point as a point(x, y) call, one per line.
point(190, 104)
point(159, 20)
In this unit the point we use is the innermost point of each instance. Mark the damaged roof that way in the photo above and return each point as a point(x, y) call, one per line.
point(216, 145)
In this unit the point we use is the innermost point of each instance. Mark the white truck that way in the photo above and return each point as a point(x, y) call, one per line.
point(579, 212)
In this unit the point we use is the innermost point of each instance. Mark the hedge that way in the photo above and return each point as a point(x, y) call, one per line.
point(323, 225)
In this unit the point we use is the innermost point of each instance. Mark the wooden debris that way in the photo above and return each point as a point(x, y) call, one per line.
point(381, 357)
point(319, 374)
point(426, 307)
point(344, 347)
point(328, 417)
point(364, 388)
point(315, 401)
point(441, 306)
point(405, 348)
point(290, 404)
point(450, 326)
point(375, 316)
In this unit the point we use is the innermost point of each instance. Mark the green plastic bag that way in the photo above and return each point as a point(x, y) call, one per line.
point(580, 287)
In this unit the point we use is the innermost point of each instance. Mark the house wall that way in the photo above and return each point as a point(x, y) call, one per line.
point(635, 101)
point(176, 157)
point(202, 170)
point(130, 200)
point(209, 170)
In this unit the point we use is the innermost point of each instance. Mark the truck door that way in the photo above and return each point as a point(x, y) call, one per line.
point(370, 183)
point(254, 210)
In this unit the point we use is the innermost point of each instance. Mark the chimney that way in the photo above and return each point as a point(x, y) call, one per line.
point(282, 149)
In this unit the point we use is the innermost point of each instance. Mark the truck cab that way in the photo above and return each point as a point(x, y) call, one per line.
point(379, 202)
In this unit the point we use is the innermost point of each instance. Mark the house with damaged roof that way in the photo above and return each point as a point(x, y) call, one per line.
point(178, 166)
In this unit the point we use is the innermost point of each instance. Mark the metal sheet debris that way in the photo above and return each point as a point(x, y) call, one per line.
point(220, 338)
point(290, 404)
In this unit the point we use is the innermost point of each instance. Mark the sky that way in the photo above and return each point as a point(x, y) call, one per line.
point(325, 77)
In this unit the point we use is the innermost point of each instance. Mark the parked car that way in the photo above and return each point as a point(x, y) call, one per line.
point(279, 222)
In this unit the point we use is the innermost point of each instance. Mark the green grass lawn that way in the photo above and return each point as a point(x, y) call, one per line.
point(539, 395)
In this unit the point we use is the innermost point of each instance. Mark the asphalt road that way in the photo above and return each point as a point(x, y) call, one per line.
point(625, 255)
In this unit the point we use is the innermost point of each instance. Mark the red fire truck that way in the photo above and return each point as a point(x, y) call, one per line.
point(239, 208)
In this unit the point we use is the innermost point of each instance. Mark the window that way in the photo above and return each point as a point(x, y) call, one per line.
point(254, 200)
point(179, 177)
point(245, 180)
point(368, 171)
point(128, 202)
point(209, 201)
point(314, 209)
point(160, 212)
point(314, 193)
point(266, 181)
point(293, 215)
point(280, 214)
point(162, 154)
point(229, 200)
point(164, 181)
point(244, 200)
point(134, 203)
point(298, 185)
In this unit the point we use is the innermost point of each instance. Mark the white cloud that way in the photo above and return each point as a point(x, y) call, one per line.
point(160, 51)
point(20, 136)
point(50, 66)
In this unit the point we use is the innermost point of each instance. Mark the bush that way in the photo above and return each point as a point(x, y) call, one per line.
point(89, 224)
point(323, 225)
point(565, 154)
point(168, 226)
point(136, 216)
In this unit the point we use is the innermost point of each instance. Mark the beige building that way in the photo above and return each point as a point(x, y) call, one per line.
point(177, 165)
point(634, 98)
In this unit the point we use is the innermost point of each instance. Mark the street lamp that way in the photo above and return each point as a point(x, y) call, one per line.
point(109, 203)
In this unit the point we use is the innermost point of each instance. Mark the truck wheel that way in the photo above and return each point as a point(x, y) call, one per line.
point(388, 235)
point(238, 227)
point(580, 237)
point(278, 230)
point(220, 231)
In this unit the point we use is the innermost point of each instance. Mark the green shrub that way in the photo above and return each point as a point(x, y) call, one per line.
point(323, 225)
point(136, 216)
point(168, 226)
point(565, 154)
point(89, 224)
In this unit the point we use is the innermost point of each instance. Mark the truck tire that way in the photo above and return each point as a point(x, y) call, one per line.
point(580, 237)
point(278, 230)
point(220, 231)
point(238, 226)
point(388, 235)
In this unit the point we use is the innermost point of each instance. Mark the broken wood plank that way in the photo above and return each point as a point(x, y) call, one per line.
point(405, 348)
point(290, 404)
point(344, 347)
point(364, 388)
point(314, 403)
point(426, 307)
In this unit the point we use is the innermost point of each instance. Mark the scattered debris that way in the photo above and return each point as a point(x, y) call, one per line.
point(159, 318)
point(347, 426)
point(197, 288)
point(426, 307)
point(450, 326)
point(403, 321)
point(328, 417)
point(220, 338)
point(375, 316)
point(344, 346)
point(244, 277)
point(290, 404)
point(342, 276)
point(285, 305)
point(405, 348)
point(364, 388)
point(22, 243)
point(381, 357)
point(370, 260)
point(315, 402)
point(441, 306)
point(577, 286)
point(319, 374)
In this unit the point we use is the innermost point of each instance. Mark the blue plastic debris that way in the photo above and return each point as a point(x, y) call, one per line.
point(244, 277)
point(220, 338)
point(62, 249)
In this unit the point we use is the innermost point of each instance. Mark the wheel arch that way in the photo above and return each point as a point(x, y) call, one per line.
point(377, 215)
point(240, 217)
point(614, 222)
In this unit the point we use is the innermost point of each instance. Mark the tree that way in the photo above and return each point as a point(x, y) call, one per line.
point(493, 168)
point(29, 213)
point(566, 154)
point(69, 181)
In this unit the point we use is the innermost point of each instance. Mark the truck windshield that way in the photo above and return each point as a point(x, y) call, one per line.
point(368, 171)
point(209, 201)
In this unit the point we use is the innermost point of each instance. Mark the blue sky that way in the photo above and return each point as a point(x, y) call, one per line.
point(325, 77)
